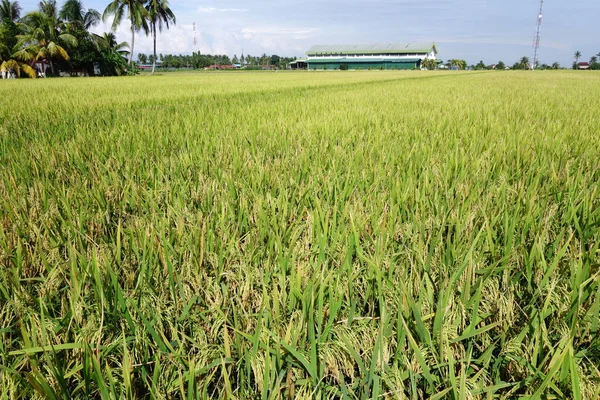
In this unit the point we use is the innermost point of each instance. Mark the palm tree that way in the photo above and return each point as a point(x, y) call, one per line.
point(114, 60)
point(108, 41)
point(524, 63)
point(10, 10)
point(555, 65)
point(158, 13)
point(50, 8)
point(136, 13)
point(43, 38)
point(74, 12)
point(577, 56)
point(10, 67)
point(15, 66)
point(593, 60)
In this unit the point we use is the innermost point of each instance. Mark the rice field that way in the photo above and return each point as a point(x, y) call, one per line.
point(350, 235)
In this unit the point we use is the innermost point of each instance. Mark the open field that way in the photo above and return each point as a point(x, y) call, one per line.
point(305, 235)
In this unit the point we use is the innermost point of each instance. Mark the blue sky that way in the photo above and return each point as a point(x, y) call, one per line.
point(471, 29)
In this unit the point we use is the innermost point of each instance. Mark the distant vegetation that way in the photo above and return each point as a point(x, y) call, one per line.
point(594, 62)
point(199, 61)
point(53, 38)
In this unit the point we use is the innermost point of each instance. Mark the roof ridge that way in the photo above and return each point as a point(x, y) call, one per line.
point(372, 47)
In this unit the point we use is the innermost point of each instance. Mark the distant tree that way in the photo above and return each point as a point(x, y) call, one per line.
point(9, 29)
point(44, 38)
point(10, 10)
point(577, 56)
point(136, 13)
point(524, 63)
point(73, 12)
point(501, 65)
point(460, 64)
point(242, 59)
point(159, 14)
point(16, 67)
point(480, 65)
point(11, 66)
point(429, 64)
point(235, 59)
point(142, 58)
point(114, 54)
point(555, 65)
point(593, 59)
point(274, 59)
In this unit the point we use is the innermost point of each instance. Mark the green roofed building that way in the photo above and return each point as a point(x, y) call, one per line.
point(371, 56)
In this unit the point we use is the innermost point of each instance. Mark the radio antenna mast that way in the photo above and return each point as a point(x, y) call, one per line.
point(195, 42)
point(536, 40)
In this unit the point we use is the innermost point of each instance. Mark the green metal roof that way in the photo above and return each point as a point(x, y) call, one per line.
point(359, 60)
point(374, 48)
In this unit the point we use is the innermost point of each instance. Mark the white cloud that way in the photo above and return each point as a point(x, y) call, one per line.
point(219, 38)
point(214, 9)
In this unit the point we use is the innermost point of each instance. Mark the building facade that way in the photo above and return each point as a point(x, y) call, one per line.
point(370, 56)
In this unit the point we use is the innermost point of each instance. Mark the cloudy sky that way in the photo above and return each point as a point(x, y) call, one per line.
point(475, 30)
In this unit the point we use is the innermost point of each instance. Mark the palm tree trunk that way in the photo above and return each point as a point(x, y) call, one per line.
point(132, 43)
point(154, 35)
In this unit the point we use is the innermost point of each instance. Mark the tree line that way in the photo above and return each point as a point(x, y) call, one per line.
point(53, 38)
point(522, 64)
point(198, 60)
point(593, 63)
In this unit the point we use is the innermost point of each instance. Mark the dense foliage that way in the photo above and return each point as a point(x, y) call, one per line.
point(199, 61)
point(52, 39)
point(294, 235)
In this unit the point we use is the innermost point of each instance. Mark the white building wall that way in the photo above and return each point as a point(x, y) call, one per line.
point(378, 56)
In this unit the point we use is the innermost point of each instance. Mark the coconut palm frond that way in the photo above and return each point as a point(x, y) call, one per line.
point(28, 70)
point(139, 17)
point(119, 15)
point(10, 10)
point(18, 67)
point(4, 51)
point(49, 7)
point(72, 11)
point(160, 14)
point(57, 51)
point(8, 64)
point(24, 54)
point(68, 39)
point(111, 10)
point(91, 19)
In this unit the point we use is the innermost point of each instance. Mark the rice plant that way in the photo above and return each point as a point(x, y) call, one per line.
point(398, 235)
